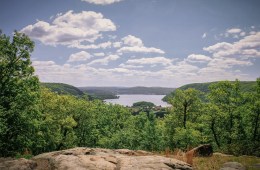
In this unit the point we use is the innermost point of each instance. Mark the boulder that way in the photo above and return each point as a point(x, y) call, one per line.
point(202, 150)
point(18, 164)
point(232, 166)
point(97, 158)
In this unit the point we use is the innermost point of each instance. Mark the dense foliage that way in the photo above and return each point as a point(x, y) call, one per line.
point(62, 88)
point(128, 90)
point(143, 104)
point(36, 120)
point(18, 94)
point(245, 86)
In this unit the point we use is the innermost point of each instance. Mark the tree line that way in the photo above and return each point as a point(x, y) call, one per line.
point(36, 120)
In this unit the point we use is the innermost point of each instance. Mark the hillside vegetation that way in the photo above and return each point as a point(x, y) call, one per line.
point(129, 90)
point(66, 89)
point(62, 88)
point(246, 86)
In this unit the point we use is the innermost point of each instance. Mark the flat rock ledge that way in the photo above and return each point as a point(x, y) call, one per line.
point(233, 166)
point(96, 158)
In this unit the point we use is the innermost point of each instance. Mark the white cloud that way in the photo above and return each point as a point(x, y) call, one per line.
point(99, 54)
point(218, 47)
point(43, 63)
point(247, 47)
point(234, 30)
point(129, 66)
point(138, 49)
point(49, 71)
point(70, 28)
point(252, 32)
point(150, 61)
point(104, 61)
point(225, 63)
point(117, 44)
point(204, 35)
point(80, 56)
point(135, 45)
point(183, 67)
point(198, 58)
point(242, 34)
point(132, 41)
point(104, 45)
point(102, 2)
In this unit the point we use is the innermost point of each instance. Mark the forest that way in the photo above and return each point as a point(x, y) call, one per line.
point(34, 119)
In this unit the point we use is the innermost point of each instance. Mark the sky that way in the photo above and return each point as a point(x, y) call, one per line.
point(165, 43)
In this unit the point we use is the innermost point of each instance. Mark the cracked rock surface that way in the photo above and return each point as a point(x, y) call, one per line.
point(96, 158)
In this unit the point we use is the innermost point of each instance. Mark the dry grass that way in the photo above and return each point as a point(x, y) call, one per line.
point(214, 162)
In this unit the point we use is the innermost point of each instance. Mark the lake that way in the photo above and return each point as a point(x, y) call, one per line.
point(128, 100)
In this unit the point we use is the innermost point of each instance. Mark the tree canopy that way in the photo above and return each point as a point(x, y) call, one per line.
point(18, 92)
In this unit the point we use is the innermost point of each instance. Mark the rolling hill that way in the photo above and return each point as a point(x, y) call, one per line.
point(62, 88)
point(246, 86)
point(129, 90)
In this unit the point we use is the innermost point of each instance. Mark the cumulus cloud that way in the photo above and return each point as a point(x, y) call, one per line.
point(183, 67)
point(104, 45)
point(247, 47)
point(234, 30)
point(129, 66)
point(218, 47)
point(235, 33)
point(102, 2)
point(198, 58)
point(138, 49)
point(225, 63)
point(104, 61)
point(227, 57)
point(150, 61)
point(99, 54)
point(131, 40)
point(117, 44)
point(135, 45)
point(43, 63)
point(70, 28)
point(242, 34)
point(80, 56)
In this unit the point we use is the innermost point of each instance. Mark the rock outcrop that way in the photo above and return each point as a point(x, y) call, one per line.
point(96, 158)
point(202, 150)
point(233, 166)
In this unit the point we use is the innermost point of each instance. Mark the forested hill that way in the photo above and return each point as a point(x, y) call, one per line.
point(62, 88)
point(246, 86)
point(130, 90)
point(104, 92)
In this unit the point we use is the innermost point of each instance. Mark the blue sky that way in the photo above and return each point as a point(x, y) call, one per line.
point(138, 42)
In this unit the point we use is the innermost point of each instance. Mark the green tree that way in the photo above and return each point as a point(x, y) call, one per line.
point(18, 94)
point(256, 112)
point(185, 103)
point(144, 104)
point(56, 127)
point(228, 98)
point(213, 118)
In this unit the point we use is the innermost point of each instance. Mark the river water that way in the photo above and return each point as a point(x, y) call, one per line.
point(128, 100)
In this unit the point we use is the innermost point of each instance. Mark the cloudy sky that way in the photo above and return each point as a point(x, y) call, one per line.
point(165, 43)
